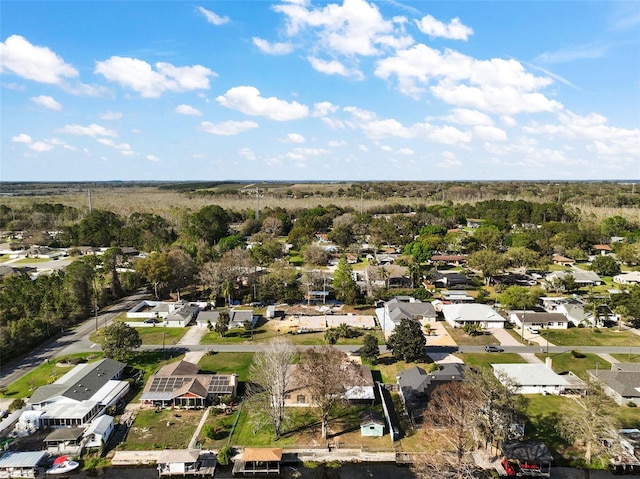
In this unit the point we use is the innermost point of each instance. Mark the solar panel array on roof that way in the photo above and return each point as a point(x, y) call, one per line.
point(166, 384)
point(220, 384)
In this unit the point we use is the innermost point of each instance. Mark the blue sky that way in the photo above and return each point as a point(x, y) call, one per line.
point(302, 90)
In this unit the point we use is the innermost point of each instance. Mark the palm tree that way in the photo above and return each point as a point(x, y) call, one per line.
point(227, 289)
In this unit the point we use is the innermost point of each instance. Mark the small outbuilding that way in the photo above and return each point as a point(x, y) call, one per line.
point(22, 464)
point(527, 458)
point(371, 424)
point(186, 462)
point(262, 461)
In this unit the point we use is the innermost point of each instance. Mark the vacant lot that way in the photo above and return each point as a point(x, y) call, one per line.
point(164, 429)
point(591, 337)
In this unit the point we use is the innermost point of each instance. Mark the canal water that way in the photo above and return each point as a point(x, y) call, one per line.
point(322, 471)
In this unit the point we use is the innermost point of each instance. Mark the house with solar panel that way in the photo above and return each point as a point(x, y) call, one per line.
point(180, 385)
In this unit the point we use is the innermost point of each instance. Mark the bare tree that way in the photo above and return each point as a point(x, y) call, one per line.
point(450, 423)
point(589, 419)
point(327, 373)
point(272, 226)
point(269, 373)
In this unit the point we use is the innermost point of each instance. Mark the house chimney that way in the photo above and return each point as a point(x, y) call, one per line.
point(548, 362)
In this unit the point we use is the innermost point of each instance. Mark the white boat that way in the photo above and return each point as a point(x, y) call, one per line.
point(62, 465)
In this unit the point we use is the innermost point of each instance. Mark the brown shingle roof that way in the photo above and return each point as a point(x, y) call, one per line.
point(262, 454)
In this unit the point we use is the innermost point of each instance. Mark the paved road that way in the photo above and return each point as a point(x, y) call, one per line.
point(70, 342)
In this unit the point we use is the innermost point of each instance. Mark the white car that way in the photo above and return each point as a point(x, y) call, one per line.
point(533, 330)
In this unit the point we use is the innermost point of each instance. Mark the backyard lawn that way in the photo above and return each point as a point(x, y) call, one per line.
point(161, 335)
point(388, 368)
point(227, 363)
point(163, 429)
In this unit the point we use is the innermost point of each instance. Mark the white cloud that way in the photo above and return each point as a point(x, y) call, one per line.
point(123, 148)
point(272, 48)
point(354, 28)
point(489, 133)
point(228, 128)
point(363, 148)
point(386, 148)
point(323, 108)
point(574, 52)
point(247, 153)
point(247, 100)
point(337, 143)
point(333, 67)
point(187, 110)
point(303, 153)
point(41, 146)
point(449, 160)
point(406, 151)
point(110, 115)
point(139, 76)
point(455, 30)
point(295, 138)
point(153, 158)
point(47, 102)
point(464, 116)
point(497, 85)
point(212, 17)
point(22, 138)
point(508, 120)
point(92, 130)
point(32, 62)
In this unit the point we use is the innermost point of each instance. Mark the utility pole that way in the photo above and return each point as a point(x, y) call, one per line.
point(257, 204)
point(89, 195)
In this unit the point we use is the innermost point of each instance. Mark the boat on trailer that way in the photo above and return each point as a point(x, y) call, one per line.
point(62, 465)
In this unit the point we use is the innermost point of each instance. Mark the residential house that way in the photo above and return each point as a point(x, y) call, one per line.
point(80, 395)
point(237, 318)
point(560, 260)
point(186, 462)
point(452, 280)
point(456, 297)
point(395, 310)
point(459, 315)
point(601, 249)
point(537, 378)
point(180, 384)
point(622, 382)
point(523, 319)
point(449, 259)
point(371, 424)
point(416, 385)
point(632, 277)
point(361, 393)
point(98, 432)
point(177, 314)
point(581, 277)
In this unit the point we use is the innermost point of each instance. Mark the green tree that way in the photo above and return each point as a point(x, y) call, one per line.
point(370, 349)
point(489, 262)
point(519, 297)
point(210, 224)
point(629, 253)
point(110, 259)
point(222, 323)
point(156, 269)
point(605, 265)
point(519, 257)
point(343, 283)
point(407, 342)
point(119, 341)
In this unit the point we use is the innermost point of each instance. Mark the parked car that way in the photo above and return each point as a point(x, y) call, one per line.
point(490, 348)
point(152, 321)
point(533, 330)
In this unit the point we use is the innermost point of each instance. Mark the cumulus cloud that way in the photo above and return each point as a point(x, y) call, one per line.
point(488, 133)
point(323, 108)
point(110, 115)
point(337, 143)
point(187, 110)
point(47, 102)
point(153, 158)
point(228, 128)
point(21, 138)
point(354, 28)
point(212, 17)
point(302, 153)
point(464, 116)
point(295, 138)
point(140, 76)
point(455, 30)
point(123, 148)
point(41, 146)
point(333, 67)
point(272, 48)
point(92, 130)
point(247, 100)
point(20, 57)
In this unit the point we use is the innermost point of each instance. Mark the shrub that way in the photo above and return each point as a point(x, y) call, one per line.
point(577, 354)
point(17, 404)
point(224, 455)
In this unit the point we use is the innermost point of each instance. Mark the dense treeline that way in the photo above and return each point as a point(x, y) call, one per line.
point(220, 251)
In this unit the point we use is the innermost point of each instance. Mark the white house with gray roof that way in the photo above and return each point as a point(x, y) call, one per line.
point(459, 315)
point(537, 378)
point(582, 278)
point(80, 395)
point(395, 310)
point(622, 382)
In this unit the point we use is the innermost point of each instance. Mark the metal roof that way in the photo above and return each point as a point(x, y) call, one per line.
point(22, 459)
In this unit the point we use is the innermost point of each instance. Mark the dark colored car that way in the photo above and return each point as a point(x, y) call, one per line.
point(493, 349)
point(152, 321)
